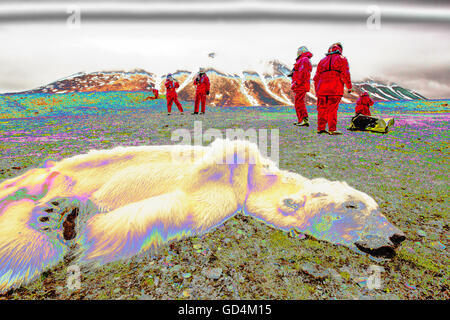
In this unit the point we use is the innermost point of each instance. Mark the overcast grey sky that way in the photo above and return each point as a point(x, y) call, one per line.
point(38, 47)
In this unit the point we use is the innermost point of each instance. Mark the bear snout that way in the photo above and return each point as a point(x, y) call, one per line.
point(397, 238)
point(380, 246)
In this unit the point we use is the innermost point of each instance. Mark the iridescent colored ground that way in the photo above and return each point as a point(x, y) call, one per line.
point(406, 171)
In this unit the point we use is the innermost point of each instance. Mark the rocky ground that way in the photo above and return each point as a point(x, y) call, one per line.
point(405, 171)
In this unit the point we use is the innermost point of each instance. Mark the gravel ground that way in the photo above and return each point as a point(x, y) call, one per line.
point(405, 171)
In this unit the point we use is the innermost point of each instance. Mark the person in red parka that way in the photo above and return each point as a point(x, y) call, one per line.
point(363, 105)
point(363, 120)
point(331, 75)
point(171, 94)
point(155, 93)
point(301, 76)
point(202, 85)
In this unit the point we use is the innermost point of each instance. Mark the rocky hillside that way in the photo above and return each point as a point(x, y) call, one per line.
point(270, 87)
point(135, 80)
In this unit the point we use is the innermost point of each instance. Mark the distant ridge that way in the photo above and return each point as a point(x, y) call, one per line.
point(270, 87)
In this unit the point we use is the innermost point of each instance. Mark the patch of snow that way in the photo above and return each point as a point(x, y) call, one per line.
point(309, 94)
point(272, 94)
point(345, 100)
point(251, 99)
point(188, 80)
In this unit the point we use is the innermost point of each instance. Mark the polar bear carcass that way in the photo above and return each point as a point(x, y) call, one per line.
point(114, 204)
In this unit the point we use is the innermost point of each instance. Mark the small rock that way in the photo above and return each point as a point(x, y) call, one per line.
point(176, 268)
point(411, 287)
point(146, 268)
point(438, 245)
point(335, 275)
point(314, 271)
point(187, 275)
point(212, 273)
point(140, 275)
point(186, 293)
point(421, 233)
point(361, 281)
point(117, 290)
point(350, 271)
point(145, 297)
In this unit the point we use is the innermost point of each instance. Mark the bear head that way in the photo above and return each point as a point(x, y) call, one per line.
point(326, 210)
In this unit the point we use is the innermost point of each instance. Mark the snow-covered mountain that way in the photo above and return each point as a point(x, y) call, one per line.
point(268, 86)
point(135, 80)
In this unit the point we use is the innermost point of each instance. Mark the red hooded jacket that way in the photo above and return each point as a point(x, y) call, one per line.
point(202, 84)
point(302, 73)
point(331, 74)
point(171, 87)
point(363, 104)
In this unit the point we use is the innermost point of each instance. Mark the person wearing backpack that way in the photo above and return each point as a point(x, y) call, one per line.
point(301, 76)
point(331, 75)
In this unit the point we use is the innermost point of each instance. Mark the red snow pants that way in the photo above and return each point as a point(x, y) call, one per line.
point(300, 106)
point(200, 97)
point(173, 99)
point(327, 107)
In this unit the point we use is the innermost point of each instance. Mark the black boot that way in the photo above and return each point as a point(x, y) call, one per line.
point(304, 123)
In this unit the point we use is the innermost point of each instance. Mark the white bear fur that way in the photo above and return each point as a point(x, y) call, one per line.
point(142, 193)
